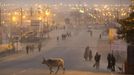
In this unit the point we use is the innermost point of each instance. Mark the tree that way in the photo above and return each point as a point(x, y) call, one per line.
point(126, 31)
point(76, 17)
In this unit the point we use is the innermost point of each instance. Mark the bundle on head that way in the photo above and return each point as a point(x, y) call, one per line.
point(54, 62)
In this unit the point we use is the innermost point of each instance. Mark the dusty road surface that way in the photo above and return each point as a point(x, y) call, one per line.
point(71, 50)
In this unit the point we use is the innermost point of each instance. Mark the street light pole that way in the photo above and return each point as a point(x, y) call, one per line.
point(21, 16)
point(47, 25)
point(31, 13)
point(47, 12)
point(0, 17)
point(0, 28)
point(118, 17)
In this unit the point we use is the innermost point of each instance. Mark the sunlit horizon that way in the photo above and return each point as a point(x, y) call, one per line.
point(88, 2)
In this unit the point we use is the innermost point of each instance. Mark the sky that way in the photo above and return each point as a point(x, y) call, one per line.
point(21, 2)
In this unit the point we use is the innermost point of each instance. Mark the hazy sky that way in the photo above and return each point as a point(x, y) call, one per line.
point(65, 1)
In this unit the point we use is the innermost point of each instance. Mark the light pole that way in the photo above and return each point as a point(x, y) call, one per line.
point(31, 13)
point(47, 15)
point(14, 20)
point(0, 17)
point(21, 16)
point(0, 28)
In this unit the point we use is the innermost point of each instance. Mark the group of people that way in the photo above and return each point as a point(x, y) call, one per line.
point(32, 47)
point(97, 58)
point(111, 62)
point(110, 58)
point(29, 48)
point(88, 54)
point(64, 36)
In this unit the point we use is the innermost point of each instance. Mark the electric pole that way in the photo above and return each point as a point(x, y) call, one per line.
point(21, 16)
point(0, 17)
point(31, 13)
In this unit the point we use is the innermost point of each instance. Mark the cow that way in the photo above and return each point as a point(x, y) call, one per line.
point(54, 62)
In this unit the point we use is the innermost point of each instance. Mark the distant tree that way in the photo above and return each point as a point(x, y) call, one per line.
point(76, 17)
point(126, 32)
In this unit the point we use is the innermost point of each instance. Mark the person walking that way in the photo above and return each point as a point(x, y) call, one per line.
point(109, 66)
point(90, 55)
point(86, 53)
point(91, 33)
point(100, 36)
point(27, 49)
point(57, 37)
point(97, 60)
point(113, 63)
point(39, 47)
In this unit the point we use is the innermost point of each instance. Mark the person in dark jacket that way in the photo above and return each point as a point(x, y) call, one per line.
point(97, 60)
point(109, 61)
point(86, 54)
point(57, 37)
point(90, 55)
point(39, 47)
point(113, 62)
point(27, 49)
